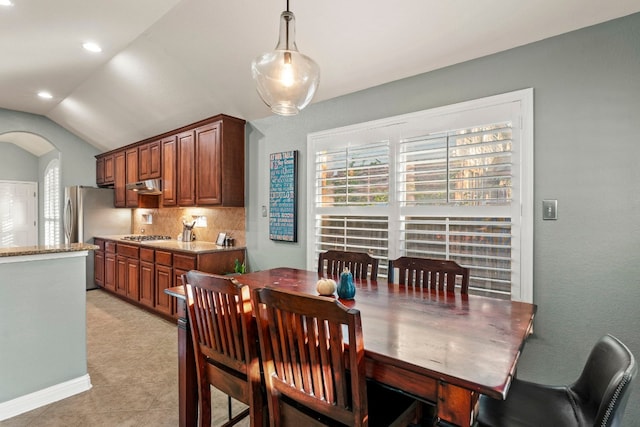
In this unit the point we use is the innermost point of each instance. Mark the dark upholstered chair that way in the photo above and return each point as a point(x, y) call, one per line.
point(597, 398)
point(428, 273)
point(311, 378)
point(332, 262)
point(225, 344)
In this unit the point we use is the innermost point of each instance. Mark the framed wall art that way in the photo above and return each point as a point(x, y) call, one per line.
point(283, 196)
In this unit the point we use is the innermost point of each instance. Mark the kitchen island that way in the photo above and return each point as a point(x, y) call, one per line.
point(43, 356)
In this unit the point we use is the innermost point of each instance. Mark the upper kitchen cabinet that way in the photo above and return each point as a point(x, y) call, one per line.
point(201, 164)
point(169, 162)
point(186, 168)
point(219, 165)
point(149, 160)
point(131, 155)
point(120, 179)
point(211, 163)
point(105, 171)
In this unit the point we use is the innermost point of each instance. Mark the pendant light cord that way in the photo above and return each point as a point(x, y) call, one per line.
point(287, 34)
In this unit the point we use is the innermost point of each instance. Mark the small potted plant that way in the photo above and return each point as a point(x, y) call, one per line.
point(239, 267)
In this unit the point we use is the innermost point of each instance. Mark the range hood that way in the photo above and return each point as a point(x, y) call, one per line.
point(149, 186)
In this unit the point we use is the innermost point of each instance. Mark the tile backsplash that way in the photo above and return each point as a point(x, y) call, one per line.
point(168, 221)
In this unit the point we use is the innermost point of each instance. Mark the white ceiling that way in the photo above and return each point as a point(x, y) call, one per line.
point(167, 63)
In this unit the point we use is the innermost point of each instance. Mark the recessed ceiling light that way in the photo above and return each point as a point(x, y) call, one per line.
point(92, 47)
point(6, 3)
point(45, 95)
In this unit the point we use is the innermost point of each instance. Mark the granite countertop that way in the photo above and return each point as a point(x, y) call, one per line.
point(195, 247)
point(46, 249)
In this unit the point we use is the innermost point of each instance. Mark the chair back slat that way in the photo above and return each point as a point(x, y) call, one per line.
point(436, 274)
point(361, 265)
point(305, 357)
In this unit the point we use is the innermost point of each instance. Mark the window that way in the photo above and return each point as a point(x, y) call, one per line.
point(452, 182)
point(52, 203)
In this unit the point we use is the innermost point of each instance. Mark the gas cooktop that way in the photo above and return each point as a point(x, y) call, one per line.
point(145, 237)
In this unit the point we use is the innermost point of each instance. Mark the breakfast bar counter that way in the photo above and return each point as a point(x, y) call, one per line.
point(47, 250)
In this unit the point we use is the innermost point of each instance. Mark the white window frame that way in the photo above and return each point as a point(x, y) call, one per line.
point(522, 246)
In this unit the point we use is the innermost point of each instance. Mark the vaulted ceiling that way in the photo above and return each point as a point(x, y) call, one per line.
point(167, 63)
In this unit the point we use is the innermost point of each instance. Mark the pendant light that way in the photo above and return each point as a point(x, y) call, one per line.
point(286, 79)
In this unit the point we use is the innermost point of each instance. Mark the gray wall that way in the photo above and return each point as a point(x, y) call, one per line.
point(17, 164)
point(587, 109)
point(77, 161)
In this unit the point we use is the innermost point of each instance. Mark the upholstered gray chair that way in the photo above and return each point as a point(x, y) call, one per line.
point(597, 398)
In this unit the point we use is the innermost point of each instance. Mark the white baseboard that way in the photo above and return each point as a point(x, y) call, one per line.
point(31, 401)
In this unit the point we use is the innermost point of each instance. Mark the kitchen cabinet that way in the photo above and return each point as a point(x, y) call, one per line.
point(109, 169)
point(164, 280)
point(147, 277)
point(140, 273)
point(128, 271)
point(98, 263)
point(230, 162)
point(169, 161)
point(105, 173)
point(100, 171)
point(208, 165)
point(186, 169)
point(131, 197)
point(120, 179)
point(149, 160)
point(212, 162)
point(110, 266)
point(201, 164)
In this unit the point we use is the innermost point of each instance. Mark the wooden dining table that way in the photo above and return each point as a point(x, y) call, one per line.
point(443, 348)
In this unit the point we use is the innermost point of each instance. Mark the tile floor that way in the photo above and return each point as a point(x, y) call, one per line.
point(132, 362)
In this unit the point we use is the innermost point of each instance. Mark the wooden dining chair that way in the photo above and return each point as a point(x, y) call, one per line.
point(333, 262)
point(225, 345)
point(436, 274)
point(312, 378)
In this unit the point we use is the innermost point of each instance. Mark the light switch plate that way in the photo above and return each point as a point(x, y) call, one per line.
point(549, 209)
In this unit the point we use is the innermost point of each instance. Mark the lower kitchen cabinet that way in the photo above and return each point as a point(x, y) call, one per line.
point(109, 266)
point(98, 265)
point(164, 280)
point(140, 274)
point(128, 271)
point(147, 277)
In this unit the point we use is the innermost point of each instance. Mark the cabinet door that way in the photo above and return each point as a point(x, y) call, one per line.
point(132, 176)
point(100, 171)
point(120, 168)
point(133, 279)
point(121, 275)
point(110, 271)
point(164, 280)
point(169, 161)
point(177, 281)
point(208, 165)
point(186, 169)
point(149, 160)
point(98, 268)
point(147, 282)
point(109, 169)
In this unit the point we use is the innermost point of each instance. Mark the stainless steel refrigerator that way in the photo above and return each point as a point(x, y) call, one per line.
point(89, 212)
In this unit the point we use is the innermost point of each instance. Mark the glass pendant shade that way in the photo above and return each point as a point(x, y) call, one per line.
point(286, 79)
